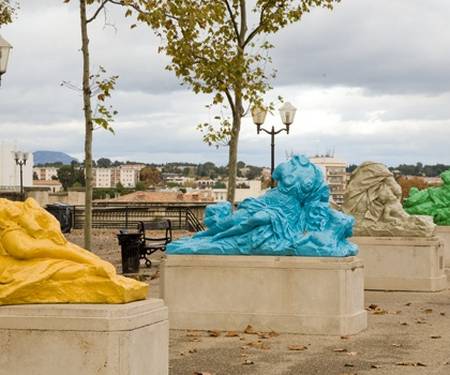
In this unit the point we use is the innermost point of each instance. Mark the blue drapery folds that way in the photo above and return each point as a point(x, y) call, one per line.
point(292, 219)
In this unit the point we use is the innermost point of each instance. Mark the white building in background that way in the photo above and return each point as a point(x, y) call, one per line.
point(10, 172)
point(335, 174)
point(53, 186)
point(101, 177)
point(127, 175)
point(252, 189)
point(45, 173)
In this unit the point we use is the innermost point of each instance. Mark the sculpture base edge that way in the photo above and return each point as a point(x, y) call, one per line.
point(402, 263)
point(85, 339)
point(307, 295)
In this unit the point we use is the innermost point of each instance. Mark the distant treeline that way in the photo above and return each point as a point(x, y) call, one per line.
point(414, 170)
point(208, 169)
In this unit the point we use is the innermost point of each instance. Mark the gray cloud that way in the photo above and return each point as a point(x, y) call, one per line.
point(371, 80)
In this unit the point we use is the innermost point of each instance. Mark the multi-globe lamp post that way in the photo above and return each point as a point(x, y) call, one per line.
point(21, 160)
point(287, 114)
point(5, 49)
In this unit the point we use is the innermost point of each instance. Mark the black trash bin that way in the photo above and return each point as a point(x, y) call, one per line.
point(64, 214)
point(130, 244)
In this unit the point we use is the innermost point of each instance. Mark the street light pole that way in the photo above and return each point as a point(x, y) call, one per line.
point(287, 113)
point(21, 160)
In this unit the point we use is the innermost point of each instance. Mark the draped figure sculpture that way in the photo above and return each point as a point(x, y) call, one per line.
point(434, 201)
point(292, 219)
point(373, 197)
point(38, 265)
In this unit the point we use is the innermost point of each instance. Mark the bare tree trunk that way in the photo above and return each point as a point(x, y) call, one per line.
point(233, 150)
point(237, 113)
point(88, 127)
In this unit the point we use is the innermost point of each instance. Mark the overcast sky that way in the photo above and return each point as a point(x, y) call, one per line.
point(371, 81)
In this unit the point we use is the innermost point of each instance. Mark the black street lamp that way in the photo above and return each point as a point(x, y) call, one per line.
point(287, 114)
point(5, 48)
point(21, 160)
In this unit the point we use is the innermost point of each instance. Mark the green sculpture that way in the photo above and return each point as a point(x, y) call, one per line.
point(433, 201)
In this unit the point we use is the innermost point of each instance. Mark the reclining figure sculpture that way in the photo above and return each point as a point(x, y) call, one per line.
point(434, 201)
point(292, 219)
point(38, 265)
point(373, 197)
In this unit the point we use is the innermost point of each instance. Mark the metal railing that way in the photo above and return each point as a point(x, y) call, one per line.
point(128, 217)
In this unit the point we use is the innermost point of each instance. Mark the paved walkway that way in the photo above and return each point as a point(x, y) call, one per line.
point(409, 333)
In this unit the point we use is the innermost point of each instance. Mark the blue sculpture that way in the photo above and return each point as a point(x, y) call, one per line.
point(292, 219)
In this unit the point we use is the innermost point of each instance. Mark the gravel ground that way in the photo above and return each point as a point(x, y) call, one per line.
point(408, 333)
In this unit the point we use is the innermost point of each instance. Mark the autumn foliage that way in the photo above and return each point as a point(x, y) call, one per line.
point(407, 183)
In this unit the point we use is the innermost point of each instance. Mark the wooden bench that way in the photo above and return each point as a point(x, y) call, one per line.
point(149, 245)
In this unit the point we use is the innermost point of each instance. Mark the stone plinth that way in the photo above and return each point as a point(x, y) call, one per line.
point(402, 263)
point(129, 339)
point(285, 294)
point(443, 232)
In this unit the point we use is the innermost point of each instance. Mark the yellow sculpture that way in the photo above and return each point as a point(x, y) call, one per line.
point(38, 265)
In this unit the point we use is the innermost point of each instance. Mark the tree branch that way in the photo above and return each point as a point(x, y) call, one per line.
point(243, 30)
point(99, 9)
point(257, 28)
point(233, 19)
point(230, 100)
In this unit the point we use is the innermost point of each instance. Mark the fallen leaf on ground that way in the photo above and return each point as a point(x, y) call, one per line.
point(155, 276)
point(231, 334)
point(297, 347)
point(250, 330)
point(213, 333)
point(268, 335)
point(340, 350)
point(248, 362)
point(412, 364)
point(258, 345)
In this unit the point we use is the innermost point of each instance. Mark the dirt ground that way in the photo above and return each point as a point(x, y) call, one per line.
point(408, 334)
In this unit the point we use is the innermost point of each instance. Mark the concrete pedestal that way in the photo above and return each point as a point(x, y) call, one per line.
point(402, 263)
point(285, 294)
point(129, 339)
point(443, 233)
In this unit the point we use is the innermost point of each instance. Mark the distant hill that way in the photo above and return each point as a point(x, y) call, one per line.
point(43, 157)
